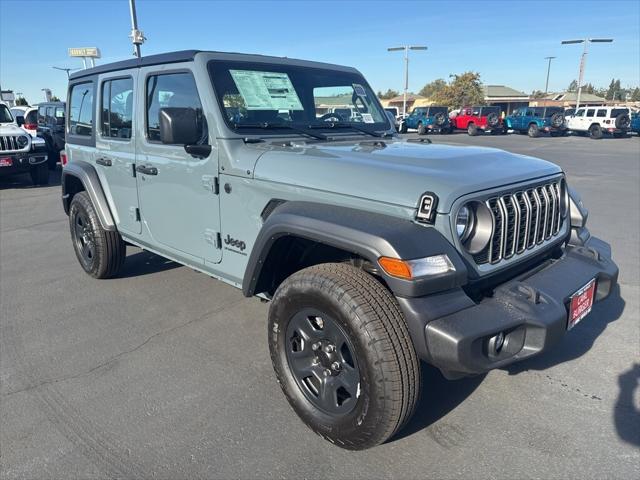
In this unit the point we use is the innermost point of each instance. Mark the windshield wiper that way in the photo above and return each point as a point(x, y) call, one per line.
point(274, 126)
point(346, 125)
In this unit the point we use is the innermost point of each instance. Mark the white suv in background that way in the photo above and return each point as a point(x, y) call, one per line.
point(600, 120)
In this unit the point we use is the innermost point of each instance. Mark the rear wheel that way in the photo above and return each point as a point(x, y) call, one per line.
point(343, 356)
point(100, 252)
point(40, 174)
point(595, 131)
point(472, 130)
point(533, 131)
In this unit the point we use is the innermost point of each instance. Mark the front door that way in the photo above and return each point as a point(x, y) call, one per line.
point(179, 202)
point(115, 155)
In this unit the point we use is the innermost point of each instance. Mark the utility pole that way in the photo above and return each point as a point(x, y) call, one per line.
point(406, 49)
point(583, 59)
point(137, 37)
point(546, 85)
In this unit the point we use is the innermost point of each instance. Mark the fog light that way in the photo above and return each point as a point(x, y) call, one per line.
point(496, 343)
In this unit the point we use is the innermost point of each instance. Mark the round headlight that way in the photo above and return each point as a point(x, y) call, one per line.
point(23, 141)
point(464, 222)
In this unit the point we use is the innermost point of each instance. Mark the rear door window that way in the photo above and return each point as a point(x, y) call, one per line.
point(591, 112)
point(117, 108)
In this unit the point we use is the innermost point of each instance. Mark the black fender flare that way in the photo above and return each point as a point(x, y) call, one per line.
point(366, 234)
point(88, 176)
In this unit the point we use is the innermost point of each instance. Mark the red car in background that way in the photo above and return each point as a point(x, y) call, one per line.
point(478, 119)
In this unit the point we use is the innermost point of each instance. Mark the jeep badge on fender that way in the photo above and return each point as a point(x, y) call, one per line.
point(372, 259)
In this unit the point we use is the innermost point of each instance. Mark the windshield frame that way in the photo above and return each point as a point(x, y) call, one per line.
point(214, 65)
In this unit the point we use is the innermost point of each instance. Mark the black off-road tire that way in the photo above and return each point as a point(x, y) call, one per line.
point(108, 250)
point(403, 127)
point(40, 174)
point(533, 131)
point(422, 130)
point(367, 313)
point(595, 131)
point(472, 130)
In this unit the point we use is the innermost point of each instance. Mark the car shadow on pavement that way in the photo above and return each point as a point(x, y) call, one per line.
point(579, 340)
point(626, 413)
point(145, 263)
point(23, 181)
point(439, 396)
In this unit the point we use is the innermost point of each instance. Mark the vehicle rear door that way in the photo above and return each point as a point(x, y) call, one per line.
point(116, 146)
point(178, 192)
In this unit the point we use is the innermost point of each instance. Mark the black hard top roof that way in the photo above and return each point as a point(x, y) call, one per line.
point(189, 55)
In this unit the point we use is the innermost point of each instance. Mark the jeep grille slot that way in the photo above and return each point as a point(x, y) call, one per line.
point(522, 220)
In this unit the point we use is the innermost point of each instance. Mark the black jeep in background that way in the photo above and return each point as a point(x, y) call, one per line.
point(51, 129)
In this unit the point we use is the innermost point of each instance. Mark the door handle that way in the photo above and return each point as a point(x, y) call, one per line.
point(146, 170)
point(105, 162)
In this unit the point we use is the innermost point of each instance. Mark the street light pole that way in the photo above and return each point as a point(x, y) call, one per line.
point(546, 85)
point(583, 59)
point(406, 49)
point(137, 37)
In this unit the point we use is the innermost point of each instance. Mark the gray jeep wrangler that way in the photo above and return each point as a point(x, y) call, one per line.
point(375, 252)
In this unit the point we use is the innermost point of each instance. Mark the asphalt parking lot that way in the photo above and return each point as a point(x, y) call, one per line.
point(165, 373)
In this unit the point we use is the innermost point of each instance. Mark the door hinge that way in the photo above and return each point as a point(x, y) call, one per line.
point(211, 183)
point(212, 237)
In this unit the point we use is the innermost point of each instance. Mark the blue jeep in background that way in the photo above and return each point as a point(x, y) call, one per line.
point(536, 120)
point(431, 119)
point(635, 123)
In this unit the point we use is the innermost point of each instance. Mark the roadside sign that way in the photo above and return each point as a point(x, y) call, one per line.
point(87, 52)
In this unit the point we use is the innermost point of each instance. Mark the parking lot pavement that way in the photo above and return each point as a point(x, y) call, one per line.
point(165, 373)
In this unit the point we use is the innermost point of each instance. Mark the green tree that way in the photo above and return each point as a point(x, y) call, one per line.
point(432, 88)
point(464, 89)
point(573, 86)
point(54, 98)
point(635, 95)
point(388, 94)
point(21, 102)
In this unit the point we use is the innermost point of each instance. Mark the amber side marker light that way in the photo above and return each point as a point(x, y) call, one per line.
point(421, 267)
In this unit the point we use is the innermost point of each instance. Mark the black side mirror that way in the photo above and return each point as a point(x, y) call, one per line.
point(20, 120)
point(179, 126)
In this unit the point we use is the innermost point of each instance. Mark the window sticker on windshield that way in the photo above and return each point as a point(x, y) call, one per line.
point(359, 89)
point(367, 118)
point(266, 90)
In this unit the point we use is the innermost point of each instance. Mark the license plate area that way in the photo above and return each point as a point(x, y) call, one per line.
point(581, 303)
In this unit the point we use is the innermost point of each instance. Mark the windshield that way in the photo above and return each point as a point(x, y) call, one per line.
point(5, 114)
point(257, 95)
point(436, 110)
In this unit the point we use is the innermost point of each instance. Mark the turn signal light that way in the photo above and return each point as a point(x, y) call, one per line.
point(421, 267)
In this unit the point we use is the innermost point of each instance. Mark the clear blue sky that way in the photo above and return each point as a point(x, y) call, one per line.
point(506, 41)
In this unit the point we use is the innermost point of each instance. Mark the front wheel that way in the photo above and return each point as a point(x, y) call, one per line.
point(343, 356)
point(403, 127)
point(422, 130)
point(100, 252)
point(472, 130)
point(533, 131)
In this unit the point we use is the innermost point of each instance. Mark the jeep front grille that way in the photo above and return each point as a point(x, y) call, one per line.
point(522, 220)
point(9, 143)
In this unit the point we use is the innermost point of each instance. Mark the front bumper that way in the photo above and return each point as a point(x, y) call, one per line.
point(453, 333)
point(15, 163)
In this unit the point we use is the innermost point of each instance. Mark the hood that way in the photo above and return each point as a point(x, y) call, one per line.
point(399, 173)
point(11, 129)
